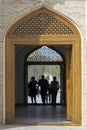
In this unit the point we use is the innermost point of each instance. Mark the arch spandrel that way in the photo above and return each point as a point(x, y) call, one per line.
point(43, 21)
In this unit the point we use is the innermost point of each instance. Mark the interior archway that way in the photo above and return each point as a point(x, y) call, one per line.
point(49, 64)
point(43, 61)
point(45, 27)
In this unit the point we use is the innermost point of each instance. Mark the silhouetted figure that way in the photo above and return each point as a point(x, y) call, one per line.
point(44, 85)
point(32, 89)
point(53, 90)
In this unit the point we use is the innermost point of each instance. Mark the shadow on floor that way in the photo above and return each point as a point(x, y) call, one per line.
point(36, 114)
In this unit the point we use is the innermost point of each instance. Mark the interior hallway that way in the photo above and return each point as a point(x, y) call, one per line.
point(39, 114)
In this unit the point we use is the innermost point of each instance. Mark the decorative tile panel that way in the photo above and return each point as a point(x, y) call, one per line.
point(41, 24)
point(44, 54)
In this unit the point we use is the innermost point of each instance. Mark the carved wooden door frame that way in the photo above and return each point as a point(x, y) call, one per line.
point(73, 63)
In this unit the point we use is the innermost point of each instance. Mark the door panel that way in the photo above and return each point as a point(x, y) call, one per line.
point(69, 83)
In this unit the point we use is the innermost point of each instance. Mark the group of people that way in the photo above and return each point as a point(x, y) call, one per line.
point(44, 88)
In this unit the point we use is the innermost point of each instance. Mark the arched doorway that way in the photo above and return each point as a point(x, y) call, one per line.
point(45, 27)
point(44, 60)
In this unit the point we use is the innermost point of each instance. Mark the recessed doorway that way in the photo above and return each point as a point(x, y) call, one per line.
point(37, 61)
point(45, 27)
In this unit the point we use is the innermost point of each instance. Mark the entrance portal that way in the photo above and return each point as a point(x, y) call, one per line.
point(46, 61)
point(39, 61)
point(45, 27)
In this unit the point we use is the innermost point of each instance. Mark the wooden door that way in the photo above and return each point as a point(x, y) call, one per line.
point(69, 83)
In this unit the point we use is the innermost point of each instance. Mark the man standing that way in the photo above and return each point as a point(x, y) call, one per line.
point(44, 86)
point(53, 90)
point(32, 86)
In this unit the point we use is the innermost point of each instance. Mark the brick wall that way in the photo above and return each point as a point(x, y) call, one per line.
point(12, 9)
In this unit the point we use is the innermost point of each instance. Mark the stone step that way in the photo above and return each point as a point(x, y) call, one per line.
point(12, 127)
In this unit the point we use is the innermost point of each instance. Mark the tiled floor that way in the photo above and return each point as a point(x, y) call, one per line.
point(46, 114)
point(41, 114)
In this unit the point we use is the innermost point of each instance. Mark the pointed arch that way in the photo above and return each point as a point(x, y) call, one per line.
point(43, 18)
point(44, 55)
point(61, 31)
point(42, 52)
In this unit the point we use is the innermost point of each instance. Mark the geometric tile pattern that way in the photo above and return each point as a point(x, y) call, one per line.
point(44, 54)
point(42, 23)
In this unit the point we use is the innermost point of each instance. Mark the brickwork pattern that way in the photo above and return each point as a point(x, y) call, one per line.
point(12, 9)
